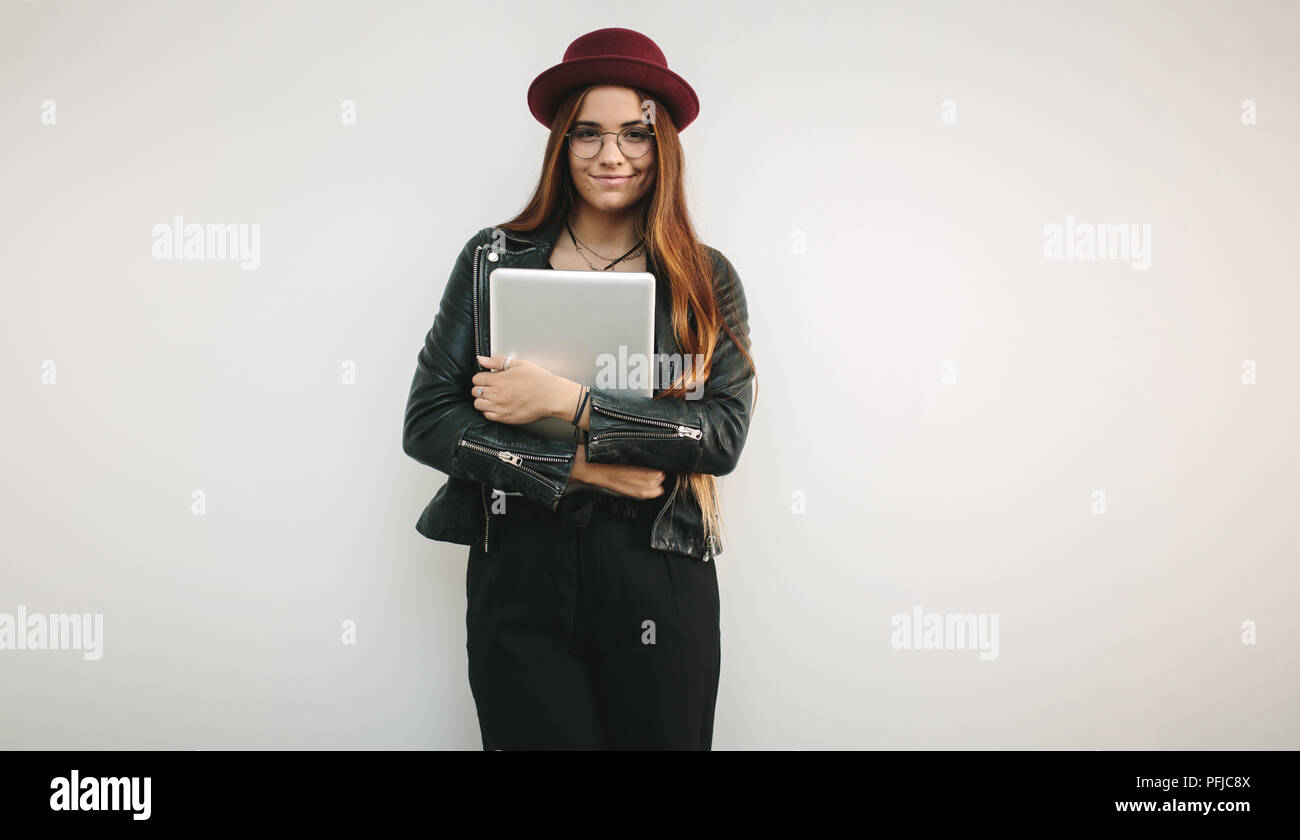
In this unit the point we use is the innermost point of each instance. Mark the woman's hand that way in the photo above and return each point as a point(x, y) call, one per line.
point(521, 394)
point(622, 479)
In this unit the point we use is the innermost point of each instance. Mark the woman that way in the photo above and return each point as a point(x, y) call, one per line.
point(592, 608)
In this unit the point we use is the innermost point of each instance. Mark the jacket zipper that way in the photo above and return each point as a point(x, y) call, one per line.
point(517, 460)
point(678, 430)
point(487, 518)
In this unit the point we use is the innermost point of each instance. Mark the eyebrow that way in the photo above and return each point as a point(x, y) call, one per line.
point(597, 125)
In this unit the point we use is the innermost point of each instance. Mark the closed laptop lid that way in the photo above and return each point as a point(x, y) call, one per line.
point(594, 327)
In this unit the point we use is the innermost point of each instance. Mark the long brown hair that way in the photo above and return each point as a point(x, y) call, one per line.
point(665, 225)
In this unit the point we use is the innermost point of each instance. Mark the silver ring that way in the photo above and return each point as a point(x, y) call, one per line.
point(480, 391)
point(506, 366)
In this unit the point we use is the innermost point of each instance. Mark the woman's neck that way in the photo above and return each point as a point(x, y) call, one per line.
point(605, 233)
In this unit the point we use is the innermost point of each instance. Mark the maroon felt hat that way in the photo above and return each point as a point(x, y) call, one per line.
point(613, 56)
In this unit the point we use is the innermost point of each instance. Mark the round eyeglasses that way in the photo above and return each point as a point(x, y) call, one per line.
point(633, 141)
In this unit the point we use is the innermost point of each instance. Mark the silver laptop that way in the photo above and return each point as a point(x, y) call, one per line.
point(565, 320)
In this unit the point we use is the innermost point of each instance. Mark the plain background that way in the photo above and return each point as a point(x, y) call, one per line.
point(821, 124)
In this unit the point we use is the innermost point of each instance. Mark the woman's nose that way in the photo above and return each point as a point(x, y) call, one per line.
point(610, 152)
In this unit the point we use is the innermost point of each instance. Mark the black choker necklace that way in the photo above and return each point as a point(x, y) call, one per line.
point(635, 248)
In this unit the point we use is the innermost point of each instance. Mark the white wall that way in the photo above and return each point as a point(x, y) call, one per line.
point(821, 123)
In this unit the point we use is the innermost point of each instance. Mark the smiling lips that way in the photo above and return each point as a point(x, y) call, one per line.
point(614, 181)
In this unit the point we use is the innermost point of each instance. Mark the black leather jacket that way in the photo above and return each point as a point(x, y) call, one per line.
point(443, 430)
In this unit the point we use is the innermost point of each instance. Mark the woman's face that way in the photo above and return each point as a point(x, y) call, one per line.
point(611, 108)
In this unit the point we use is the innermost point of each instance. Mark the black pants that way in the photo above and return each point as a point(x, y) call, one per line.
point(581, 636)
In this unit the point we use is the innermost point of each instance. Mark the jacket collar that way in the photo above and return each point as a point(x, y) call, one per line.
point(544, 236)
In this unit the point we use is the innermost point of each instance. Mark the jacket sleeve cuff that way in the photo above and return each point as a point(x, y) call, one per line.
point(666, 434)
point(506, 457)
